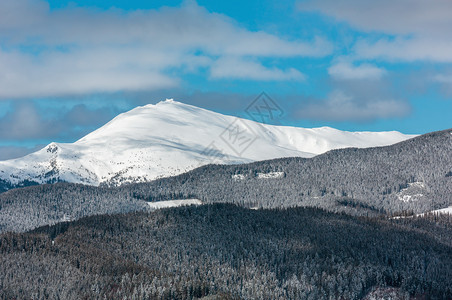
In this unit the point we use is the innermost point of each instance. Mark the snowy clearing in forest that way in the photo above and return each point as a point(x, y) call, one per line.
point(270, 175)
point(173, 203)
point(447, 210)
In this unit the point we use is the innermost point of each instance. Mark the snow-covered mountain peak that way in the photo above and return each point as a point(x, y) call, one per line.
point(171, 137)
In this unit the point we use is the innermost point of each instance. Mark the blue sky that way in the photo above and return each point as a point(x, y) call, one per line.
point(68, 67)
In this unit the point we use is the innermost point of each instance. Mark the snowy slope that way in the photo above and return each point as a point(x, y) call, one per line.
point(173, 203)
point(447, 210)
point(170, 138)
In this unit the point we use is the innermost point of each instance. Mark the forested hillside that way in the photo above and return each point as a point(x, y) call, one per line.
point(27, 208)
point(409, 177)
point(230, 252)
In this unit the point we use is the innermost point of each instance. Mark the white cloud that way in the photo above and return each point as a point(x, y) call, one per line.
point(418, 30)
point(187, 27)
point(340, 106)
point(78, 50)
point(423, 17)
point(347, 71)
point(443, 78)
point(406, 49)
point(238, 68)
point(73, 73)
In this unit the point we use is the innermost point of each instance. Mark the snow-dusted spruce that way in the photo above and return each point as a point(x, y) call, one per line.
point(170, 138)
point(228, 252)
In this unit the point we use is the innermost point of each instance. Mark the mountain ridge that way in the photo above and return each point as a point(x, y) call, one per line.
point(375, 181)
point(169, 138)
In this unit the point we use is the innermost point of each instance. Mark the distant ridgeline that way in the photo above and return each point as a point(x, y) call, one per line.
point(413, 176)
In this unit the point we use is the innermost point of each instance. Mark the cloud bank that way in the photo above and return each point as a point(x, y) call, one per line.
point(26, 121)
point(418, 30)
point(348, 71)
point(339, 106)
point(74, 51)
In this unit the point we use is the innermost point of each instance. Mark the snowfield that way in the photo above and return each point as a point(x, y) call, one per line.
point(447, 210)
point(412, 193)
point(238, 177)
point(270, 175)
point(173, 203)
point(170, 138)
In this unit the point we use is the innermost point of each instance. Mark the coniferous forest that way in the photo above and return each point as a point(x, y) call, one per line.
point(342, 225)
point(223, 251)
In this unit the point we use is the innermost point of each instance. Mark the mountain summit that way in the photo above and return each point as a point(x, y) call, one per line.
point(169, 138)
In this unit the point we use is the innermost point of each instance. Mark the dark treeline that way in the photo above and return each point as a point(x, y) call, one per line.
point(230, 252)
point(6, 186)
